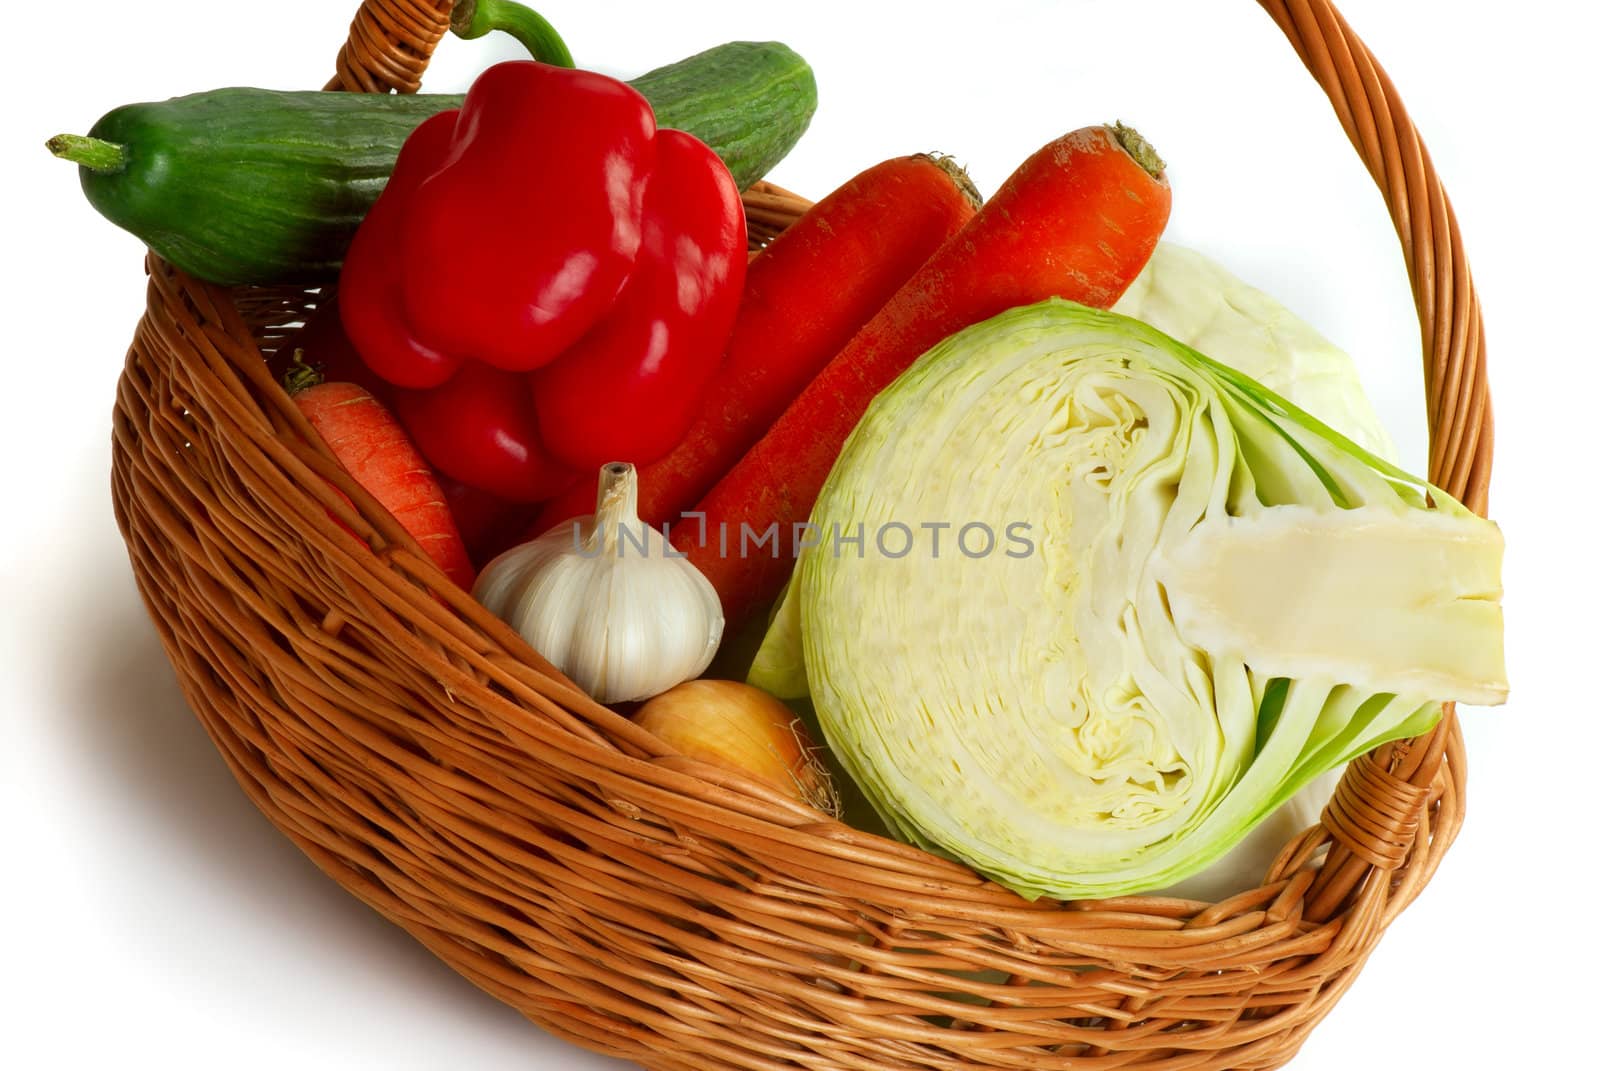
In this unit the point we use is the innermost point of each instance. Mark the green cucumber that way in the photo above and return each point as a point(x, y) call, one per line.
point(751, 105)
point(248, 185)
point(245, 186)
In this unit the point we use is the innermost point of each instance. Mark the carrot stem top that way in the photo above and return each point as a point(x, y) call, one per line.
point(1140, 149)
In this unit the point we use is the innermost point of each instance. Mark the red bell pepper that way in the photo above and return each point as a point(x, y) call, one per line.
point(479, 427)
point(374, 313)
point(552, 278)
point(648, 364)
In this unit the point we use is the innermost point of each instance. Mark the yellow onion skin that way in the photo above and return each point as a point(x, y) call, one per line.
point(741, 728)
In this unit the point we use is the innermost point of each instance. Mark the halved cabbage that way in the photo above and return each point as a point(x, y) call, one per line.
point(1085, 606)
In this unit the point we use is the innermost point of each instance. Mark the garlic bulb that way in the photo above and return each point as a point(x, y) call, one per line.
point(607, 600)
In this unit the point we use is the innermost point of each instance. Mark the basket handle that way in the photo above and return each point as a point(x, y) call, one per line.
point(391, 42)
point(1460, 421)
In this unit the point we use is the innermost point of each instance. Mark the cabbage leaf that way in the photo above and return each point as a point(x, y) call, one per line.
point(1201, 304)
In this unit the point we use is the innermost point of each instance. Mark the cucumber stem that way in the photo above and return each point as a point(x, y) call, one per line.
point(1143, 153)
point(97, 155)
point(474, 18)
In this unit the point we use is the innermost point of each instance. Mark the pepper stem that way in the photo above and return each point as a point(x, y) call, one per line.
point(474, 18)
point(94, 153)
point(1143, 153)
point(616, 505)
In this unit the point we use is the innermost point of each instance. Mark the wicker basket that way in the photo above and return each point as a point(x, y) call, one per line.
point(643, 905)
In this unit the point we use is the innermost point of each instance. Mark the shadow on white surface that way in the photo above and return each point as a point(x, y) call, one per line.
point(193, 856)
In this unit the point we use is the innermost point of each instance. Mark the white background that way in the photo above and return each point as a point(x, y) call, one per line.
point(154, 919)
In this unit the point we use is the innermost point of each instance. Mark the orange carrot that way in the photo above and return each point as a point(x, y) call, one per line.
point(374, 450)
point(1077, 220)
point(805, 296)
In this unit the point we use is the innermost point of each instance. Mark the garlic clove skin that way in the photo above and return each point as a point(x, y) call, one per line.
point(607, 600)
point(501, 581)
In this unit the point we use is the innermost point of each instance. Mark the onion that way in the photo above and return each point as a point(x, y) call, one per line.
point(741, 728)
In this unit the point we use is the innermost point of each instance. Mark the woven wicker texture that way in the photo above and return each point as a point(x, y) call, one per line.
point(646, 906)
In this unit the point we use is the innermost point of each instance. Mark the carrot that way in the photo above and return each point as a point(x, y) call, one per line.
point(373, 448)
point(805, 296)
point(1077, 220)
